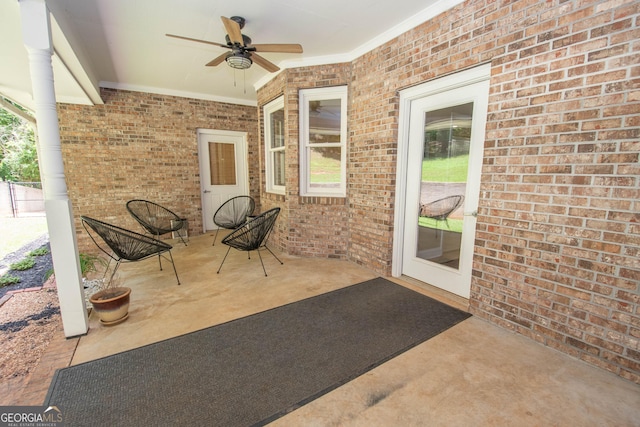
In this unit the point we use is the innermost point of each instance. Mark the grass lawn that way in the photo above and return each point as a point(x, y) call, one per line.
point(455, 225)
point(324, 169)
point(453, 169)
point(17, 232)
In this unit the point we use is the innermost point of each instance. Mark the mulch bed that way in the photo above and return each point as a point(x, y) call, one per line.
point(29, 313)
point(33, 277)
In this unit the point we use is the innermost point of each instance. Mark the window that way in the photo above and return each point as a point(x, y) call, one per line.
point(274, 145)
point(222, 159)
point(323, 139)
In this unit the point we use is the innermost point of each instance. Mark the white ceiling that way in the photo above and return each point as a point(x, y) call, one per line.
point(122, 43)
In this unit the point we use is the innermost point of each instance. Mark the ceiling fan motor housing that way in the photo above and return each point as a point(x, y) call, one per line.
point(240, 20)
point(246, 40)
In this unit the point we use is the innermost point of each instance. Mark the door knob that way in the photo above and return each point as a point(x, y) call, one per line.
point(473, 214)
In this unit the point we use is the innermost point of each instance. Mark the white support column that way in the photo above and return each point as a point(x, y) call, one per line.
point(36, 34)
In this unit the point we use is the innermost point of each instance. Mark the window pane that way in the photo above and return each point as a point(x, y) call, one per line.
point(323, 114)
point(277, 129)
point(222, 162)
point(278, 167)
point(324, 167)
point(324, 121)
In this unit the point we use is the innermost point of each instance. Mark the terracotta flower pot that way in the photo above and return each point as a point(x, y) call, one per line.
point(111, 305)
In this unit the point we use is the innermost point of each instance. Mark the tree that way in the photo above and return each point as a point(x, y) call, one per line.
point(18, 154)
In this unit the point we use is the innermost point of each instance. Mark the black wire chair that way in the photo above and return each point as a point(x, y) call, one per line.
point(156, 219)
point(441, 208)
point(233, 213)
point(126, 245)
point(252, 236)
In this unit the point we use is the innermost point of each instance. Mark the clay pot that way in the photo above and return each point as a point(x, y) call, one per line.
point(111, 305)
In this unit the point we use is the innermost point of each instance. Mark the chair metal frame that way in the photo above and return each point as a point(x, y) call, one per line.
point(155, 219)
point(253, 235)
point(126, 245)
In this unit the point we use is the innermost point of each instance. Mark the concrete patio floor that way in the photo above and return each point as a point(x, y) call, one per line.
point(473, 374)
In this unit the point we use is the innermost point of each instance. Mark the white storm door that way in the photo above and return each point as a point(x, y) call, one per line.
point(445, 149)
point(223, 170)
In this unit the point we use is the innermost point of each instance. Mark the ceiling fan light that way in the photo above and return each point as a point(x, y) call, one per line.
point(239, 60)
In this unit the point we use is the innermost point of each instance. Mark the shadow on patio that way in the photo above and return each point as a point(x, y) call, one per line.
point(473, 374)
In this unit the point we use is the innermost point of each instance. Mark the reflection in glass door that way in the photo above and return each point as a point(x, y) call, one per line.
point(443, 182)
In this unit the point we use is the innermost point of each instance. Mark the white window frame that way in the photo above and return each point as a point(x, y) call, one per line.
point(270, 108)
point(318, 94)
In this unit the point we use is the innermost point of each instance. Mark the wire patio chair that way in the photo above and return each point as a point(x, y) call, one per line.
point(155, 219)
point(125, 245)
point(233, 213)
point(252, 236)
point(441, 208)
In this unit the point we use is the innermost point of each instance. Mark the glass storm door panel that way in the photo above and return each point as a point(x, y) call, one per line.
point(446, 138)
point(443, 182)
point(223, 170)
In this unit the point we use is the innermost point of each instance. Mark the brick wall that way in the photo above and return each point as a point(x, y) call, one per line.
point(307, 226)
point(140, 145)
point(558, 241)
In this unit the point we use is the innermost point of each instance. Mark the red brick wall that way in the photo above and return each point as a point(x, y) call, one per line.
point(140, 145)
point(558, 241)
point(307, 226)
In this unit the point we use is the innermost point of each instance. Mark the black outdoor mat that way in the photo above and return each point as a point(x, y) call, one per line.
point(252, 370)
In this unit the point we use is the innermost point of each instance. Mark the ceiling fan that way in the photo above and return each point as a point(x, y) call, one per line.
point(243, 52)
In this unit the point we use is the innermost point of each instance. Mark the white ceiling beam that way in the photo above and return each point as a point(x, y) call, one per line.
point(15, 110)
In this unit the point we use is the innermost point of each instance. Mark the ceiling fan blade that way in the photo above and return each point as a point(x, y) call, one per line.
point(267, 65)
point(233, 30)
point(197, 40)
point(284, 48)
point(217, 60)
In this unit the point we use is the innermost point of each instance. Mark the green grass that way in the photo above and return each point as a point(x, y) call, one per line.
point(453, 169)
point(17, 232)
point(327, 170)
point(455, 225)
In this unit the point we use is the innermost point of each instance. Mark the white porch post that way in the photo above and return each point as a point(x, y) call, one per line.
point(36, 34)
